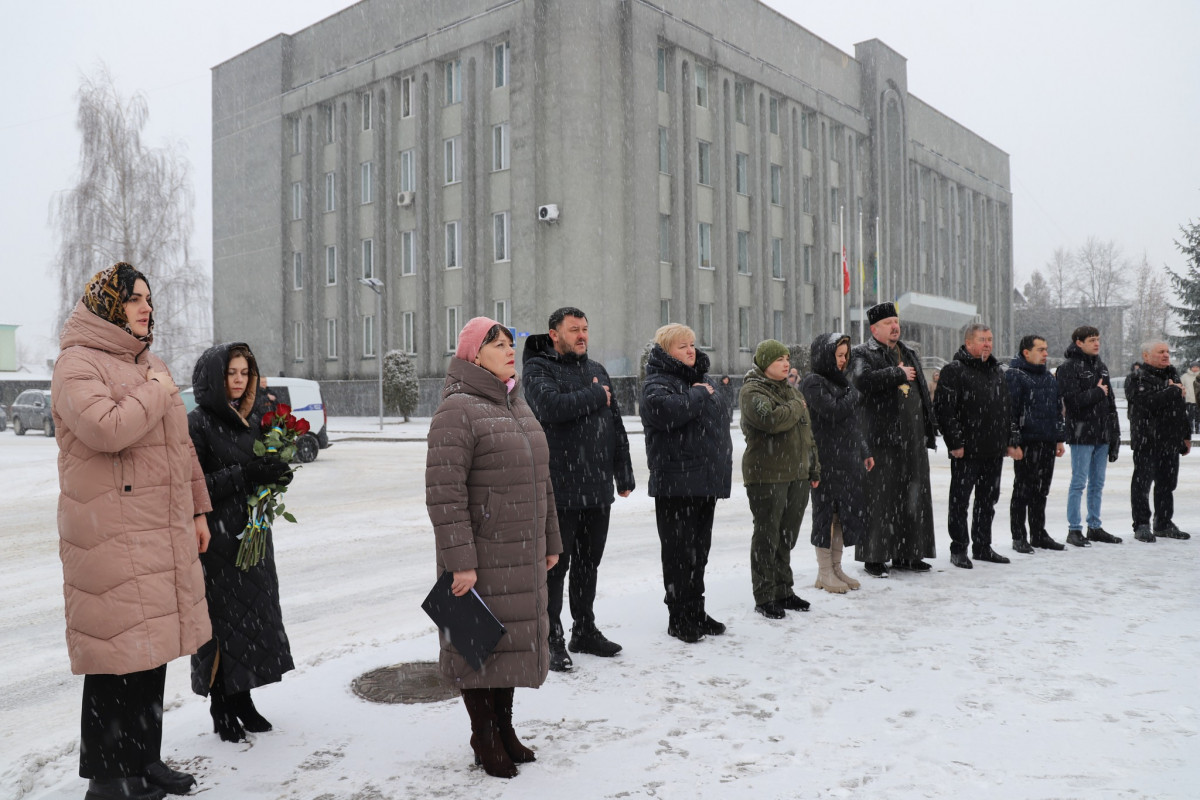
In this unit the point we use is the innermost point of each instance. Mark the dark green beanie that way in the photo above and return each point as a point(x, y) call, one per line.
point(768, 351)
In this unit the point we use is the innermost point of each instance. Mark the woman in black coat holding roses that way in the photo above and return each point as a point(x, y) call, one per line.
point(249, 647)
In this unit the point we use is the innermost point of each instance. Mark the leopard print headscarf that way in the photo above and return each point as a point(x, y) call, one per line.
point(109, 290)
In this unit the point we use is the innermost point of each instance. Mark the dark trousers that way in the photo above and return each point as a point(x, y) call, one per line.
point(1160, 467)
point(778, 510)
point(685, 533)
point(584, 532)
point(1031, 483)
point(121, 727)
point(981, 476)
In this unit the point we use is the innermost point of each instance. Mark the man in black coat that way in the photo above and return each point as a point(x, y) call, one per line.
point(1037, 416)
point(572, 398)
point(1093, 432)
point(1160, 433)
point(975, 417)
point(897, 419)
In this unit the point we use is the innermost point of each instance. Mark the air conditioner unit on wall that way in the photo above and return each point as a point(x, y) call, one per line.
point(405, 199)
point(548, 212)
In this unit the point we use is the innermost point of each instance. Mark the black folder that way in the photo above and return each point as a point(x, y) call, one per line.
point(466, 621)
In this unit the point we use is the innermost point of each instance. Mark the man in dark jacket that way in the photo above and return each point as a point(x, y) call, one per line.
point(572, 398)
point(974, 415)
point(897, 419)
point(1160, 433)
point(1093, 431)
point(1037, 416)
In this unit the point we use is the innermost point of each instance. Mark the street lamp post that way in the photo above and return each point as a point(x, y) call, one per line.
point(376, 286)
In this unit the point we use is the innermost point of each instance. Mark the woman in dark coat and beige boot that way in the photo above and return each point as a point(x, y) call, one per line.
point(839, 513)
point(489, 497)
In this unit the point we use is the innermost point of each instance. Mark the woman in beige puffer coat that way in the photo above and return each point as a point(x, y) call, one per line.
point(488, 492)
point(131, 527)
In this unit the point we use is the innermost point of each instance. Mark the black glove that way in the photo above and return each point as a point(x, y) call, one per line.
point(266, 470)
point(1113, 449)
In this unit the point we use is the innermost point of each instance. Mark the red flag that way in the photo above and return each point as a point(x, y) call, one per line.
point(845, 273)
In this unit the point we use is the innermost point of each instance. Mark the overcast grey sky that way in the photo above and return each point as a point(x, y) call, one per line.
point(1095, 102)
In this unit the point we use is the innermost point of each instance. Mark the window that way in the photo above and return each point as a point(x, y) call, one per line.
point(776, 184)
point(777, 258)
point(368, 337)
point(295, 135)
point(298, 341)
point(331, 338)
point(366, 111)
point(662, 69)
point(664, 311)
point(500, 236)
point(368, 258)
point(452, 163)
point(702, 86)
point(328, 113)
point(704, 330)
point(330, 191)
point(500, 313)
point(452, 327)
point(408, 332)
point(367, 168)
point(331, 265)
point(705, 245)
point(837, 272)
point(773, 114)
point(453, 78)
point(664, 152)
point(777, 325)
point(406, 97)
point(739, 102)
point(808, 263)
point(500, 147)
point(297, 201)
point(743, 252)
point(805, 121)
point(408, 177)
point(742, 173)
point(408, 254)
point(806, 194)
point(833, 204)
point(452, 245)
point(297, 270)
point(704, 163)
point(664, 238)
point(500, 64)
point(743, 328)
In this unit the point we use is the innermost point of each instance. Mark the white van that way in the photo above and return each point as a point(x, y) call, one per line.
point(304, 396)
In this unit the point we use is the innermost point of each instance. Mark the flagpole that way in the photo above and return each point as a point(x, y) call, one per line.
point(842, 265)
point(862, 278)
point(879, 294)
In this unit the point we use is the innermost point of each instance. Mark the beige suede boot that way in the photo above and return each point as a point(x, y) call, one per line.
point(835, 550)
point(825, 578)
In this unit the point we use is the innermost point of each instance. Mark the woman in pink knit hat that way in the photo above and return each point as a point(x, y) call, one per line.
point(488, 493)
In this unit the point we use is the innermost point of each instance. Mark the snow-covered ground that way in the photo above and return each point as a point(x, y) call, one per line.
point(1063, 675)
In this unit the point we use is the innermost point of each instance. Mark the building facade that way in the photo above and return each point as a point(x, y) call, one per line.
point(708, 162)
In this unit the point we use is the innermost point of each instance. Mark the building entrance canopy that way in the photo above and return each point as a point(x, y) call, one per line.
point(931, 309)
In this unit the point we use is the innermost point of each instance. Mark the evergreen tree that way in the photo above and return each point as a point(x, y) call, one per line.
point(400, 385)
point(1187, 289)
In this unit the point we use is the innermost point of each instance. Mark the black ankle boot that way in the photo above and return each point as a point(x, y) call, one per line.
point(225, 721)
point(122, 789)
point(171, 781)
point(244, 708)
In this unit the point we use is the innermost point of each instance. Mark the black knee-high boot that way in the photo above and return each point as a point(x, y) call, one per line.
point(485, 734)
point(519, 753)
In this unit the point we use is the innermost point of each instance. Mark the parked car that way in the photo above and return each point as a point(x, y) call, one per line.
point(31, 411)
point(304, 397)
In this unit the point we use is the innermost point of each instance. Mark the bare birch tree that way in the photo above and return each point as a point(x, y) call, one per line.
point(133, 203)
point(1102, 273)
point(1149, 310)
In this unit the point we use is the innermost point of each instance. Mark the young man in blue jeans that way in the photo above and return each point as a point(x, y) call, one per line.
point(1093, 432)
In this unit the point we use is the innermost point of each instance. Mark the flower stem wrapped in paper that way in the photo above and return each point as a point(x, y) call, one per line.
point(280, 431)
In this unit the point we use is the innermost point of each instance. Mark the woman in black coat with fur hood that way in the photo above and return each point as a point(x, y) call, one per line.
point(249, 647)
point(839, 503)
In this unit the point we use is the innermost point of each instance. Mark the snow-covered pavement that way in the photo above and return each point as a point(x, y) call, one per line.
point(1062, 675)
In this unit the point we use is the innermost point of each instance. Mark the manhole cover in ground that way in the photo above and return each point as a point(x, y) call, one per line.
point(418, 682)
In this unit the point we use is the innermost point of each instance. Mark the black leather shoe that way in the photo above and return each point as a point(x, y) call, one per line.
point(122, 789)
point(794, 603)
point(915, 565)
point(1170, 531)
point(1101, 535)
point(710, 627)
point(593, 643)
point(1143, 534)
point(685, 632)
point(1042, 540)
point(990, 555)
point(961, 561)
point(876, 569)
point(1077, 539)
point(771, 610)
point(560, 661)
point(1022, 546)
point(171, 781)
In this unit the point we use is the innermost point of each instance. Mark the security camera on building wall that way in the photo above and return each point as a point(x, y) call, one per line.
point(548, 212)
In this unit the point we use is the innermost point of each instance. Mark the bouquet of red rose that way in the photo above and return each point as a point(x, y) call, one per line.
point(280, 431)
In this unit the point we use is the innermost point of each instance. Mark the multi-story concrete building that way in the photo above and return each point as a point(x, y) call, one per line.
point(702, 161)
